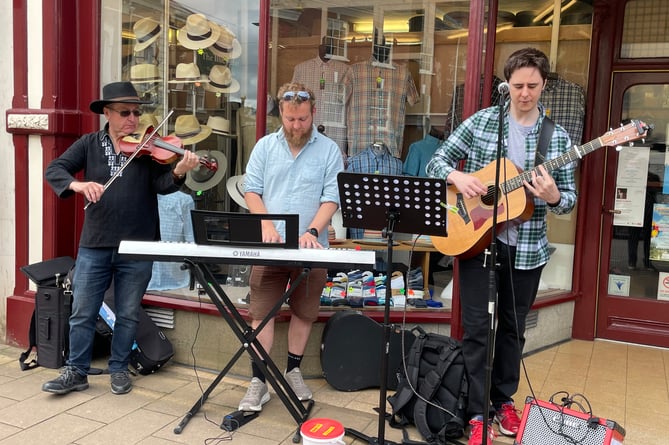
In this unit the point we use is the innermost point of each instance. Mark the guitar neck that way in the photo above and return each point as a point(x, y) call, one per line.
point(572, 155)
point(627, 133)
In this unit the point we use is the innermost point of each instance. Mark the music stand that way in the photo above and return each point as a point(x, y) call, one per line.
point(405, 204)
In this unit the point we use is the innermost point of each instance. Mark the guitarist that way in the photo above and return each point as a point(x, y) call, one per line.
point(522, 249)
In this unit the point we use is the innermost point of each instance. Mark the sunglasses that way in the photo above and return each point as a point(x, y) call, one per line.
point(126, 113)
point(296, 95)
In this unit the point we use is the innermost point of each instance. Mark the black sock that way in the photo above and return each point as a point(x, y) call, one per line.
point(255, 370)
point(293, 361)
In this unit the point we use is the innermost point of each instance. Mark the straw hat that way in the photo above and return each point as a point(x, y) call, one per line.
point(227, 45)
point(235, 186)
point(201, 178)
point(144, 73)
point(219, 125)
point(146, 32)
point(221, 80)
point(188, 73)
point(117, 92)
point(148, 119)
point(188, 129)
point(198, 32)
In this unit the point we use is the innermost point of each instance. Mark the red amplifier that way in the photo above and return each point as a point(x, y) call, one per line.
point(549, 423)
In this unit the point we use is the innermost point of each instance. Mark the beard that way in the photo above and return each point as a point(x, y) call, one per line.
point(297, 138)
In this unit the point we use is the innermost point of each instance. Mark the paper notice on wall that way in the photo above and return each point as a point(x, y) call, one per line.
point(659, 233)
point(663, 286)
point(665, 186)
point(619, 285)
point(630, 194)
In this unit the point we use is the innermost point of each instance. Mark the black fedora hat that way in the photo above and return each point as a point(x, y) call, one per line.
point(117, 92)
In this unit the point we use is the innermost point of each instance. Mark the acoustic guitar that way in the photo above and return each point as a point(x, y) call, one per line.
point(470, 220)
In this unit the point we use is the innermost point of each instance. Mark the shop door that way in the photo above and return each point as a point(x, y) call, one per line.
point(634, 280)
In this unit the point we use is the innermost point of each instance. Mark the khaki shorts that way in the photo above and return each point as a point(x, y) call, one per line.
point(269, 283)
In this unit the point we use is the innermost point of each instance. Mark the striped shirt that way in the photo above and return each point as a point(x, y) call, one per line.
point(476, 141)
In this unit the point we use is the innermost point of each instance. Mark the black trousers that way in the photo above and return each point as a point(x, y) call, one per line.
point(516, 291)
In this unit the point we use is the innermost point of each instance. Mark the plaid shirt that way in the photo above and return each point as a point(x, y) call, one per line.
point(476, 141)
point(564, 102)
point(331, 83)
point(378, 105)
point(373, 161)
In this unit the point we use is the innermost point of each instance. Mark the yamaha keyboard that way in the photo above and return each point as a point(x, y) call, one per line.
point(267, 256)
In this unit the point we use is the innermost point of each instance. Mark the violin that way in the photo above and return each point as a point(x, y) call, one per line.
point(161, 149)
point(140, 143)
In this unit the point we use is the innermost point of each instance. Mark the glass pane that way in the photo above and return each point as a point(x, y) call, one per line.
point(198, 60)
point(645, 29)
point(640, 245)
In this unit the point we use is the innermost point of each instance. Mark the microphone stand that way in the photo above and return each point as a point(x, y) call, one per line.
point(491, 263)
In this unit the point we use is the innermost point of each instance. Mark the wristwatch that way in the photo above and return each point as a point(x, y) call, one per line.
point(313, 231)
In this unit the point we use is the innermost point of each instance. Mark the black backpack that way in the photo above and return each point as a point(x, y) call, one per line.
point(435, 369)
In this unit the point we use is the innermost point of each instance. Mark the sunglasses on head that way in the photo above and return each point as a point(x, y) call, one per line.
point(296, 95)
point(126, 113)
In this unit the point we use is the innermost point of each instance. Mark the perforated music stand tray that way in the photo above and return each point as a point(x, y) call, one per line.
point(416, 203)
point(406, 204)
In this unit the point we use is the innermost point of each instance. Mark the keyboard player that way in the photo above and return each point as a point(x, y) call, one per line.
point(291, 171)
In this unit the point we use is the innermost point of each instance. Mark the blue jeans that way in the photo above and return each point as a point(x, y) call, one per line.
point(93, 274)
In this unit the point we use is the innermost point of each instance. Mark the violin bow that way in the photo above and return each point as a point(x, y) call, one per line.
point(133, 155)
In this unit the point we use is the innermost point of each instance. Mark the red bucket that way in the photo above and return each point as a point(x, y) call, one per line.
point(322, 431)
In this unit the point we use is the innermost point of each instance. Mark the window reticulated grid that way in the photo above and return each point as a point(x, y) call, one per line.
point(645, 29)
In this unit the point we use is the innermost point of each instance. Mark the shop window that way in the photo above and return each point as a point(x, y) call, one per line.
point(645, 29)
point(390, 73)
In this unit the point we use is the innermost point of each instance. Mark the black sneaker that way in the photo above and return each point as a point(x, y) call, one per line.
point(120, 382)
point(68, 380)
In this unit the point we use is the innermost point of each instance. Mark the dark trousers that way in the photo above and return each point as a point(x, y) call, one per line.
point(516, 292)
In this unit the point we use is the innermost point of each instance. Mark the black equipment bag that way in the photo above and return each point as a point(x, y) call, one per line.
point(152, 349)
point(49, 326)
point(436, 372)
point(351, 352)
point(53, 307)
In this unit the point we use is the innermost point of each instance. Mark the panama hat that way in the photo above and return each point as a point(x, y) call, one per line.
point(148, 119)
point(219, 125)
point(188, 73)
point(221, 80)
point(188, 129)
point(235, 186)
point(198, 32)
point(144, 73)
point(146, 32)
point(117, 92)
point(201, 178)
point(227, 45)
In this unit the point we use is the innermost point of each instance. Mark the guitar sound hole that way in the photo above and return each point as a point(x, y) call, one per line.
point(488, 198)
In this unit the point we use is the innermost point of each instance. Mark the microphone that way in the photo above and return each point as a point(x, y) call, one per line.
point(503, 88)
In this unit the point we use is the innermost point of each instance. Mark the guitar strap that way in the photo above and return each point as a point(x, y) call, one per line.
point(547, 127)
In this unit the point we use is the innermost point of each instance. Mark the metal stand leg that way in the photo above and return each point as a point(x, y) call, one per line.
point(251, 345)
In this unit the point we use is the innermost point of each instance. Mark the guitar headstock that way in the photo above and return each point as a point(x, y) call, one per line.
point(630, 132)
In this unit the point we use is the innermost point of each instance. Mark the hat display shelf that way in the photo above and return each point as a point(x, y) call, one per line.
point(146, 69)
point(201, 88)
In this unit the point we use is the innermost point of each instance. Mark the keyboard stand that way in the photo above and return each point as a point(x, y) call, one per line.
point(248, 339)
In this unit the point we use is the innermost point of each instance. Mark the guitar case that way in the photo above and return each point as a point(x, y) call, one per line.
point(351, 352)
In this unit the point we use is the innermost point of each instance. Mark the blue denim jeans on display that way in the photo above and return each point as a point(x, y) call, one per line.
point(93, 274)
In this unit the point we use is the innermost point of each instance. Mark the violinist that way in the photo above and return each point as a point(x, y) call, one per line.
point(126, 209)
